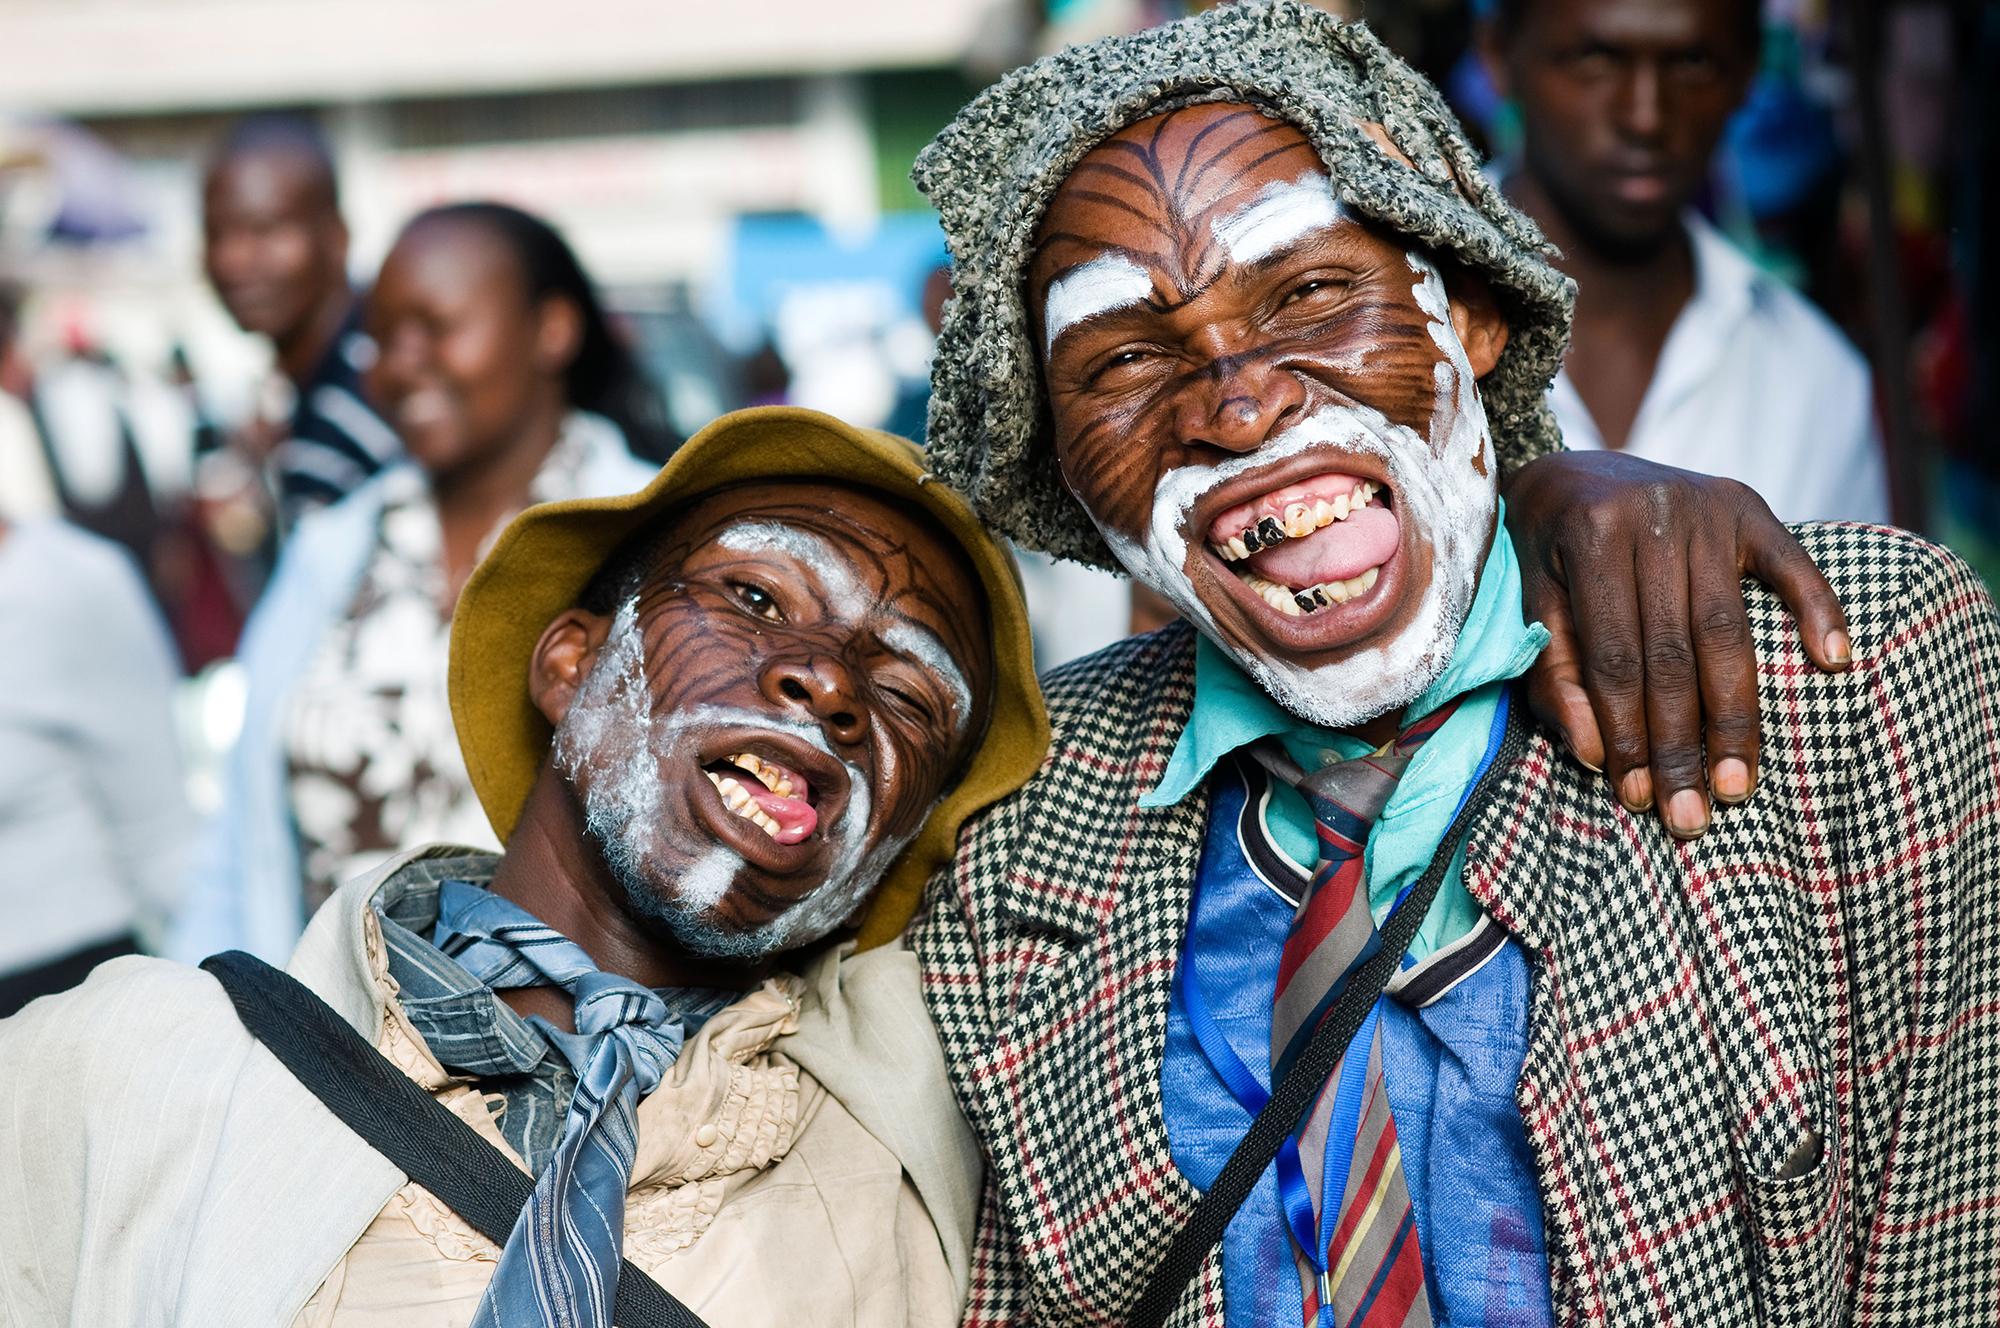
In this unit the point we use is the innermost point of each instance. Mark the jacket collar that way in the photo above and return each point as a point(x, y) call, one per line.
point(1042, 891)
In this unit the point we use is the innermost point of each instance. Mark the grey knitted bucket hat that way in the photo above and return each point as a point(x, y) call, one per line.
point(993, 170)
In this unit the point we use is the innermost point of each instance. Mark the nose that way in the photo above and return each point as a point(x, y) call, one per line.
point(1641, 109)
point(400, 353)
point(821, 686)
point(1240, 402)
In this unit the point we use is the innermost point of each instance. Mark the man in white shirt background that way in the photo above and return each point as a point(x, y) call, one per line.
point(1683, 352)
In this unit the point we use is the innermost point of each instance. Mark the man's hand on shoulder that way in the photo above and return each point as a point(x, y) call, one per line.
point(1651, 674)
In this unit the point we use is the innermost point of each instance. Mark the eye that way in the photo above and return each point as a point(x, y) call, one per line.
point(759, 601)
point(1305, 288)
point(1128, 358)
point(909, 699)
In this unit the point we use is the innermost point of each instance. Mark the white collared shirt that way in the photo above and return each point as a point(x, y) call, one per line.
point(1756, 384)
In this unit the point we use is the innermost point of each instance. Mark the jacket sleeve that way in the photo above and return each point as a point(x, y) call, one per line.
point(1918, 847)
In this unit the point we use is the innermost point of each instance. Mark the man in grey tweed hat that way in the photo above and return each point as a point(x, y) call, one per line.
point(1237, 313)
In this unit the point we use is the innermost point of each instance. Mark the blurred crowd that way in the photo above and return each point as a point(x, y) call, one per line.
point(1745, 200)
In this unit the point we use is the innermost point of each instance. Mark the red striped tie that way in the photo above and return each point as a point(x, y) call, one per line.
point(1374, 1275)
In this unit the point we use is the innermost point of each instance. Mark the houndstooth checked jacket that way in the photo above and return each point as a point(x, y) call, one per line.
point(1815, 983)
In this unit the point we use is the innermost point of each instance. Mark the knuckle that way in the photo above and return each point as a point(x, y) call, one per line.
point(1618, 664)
point(1732, 728)
point(1722, 627)
point(1670, 663)
point(1619, 669)
point(1677, 766)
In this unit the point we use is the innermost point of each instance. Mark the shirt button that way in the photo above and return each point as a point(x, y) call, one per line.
point(706, 1136)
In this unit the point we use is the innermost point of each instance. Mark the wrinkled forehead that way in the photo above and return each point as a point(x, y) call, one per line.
point(866, 554)
point(1157, 190)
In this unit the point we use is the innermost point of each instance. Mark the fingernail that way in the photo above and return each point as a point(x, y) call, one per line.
point(1637, 790)
point(1687, 814)
point(1838, 648)
point(1579, 758)
point(1731, 780)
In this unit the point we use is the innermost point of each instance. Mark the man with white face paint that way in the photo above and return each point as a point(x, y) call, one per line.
point(725, 726)
point(1238, 312)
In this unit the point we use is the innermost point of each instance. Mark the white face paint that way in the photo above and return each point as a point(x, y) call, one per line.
point(1281, 215)
point(846, 594)
point(1095, 288)
point(906, 638)
point(1451, 502)
point(609, 729)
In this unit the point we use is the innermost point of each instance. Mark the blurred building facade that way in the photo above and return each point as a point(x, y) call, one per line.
point(647, 133)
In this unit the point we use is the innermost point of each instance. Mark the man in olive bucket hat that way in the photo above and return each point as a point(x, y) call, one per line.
point(1237, 312)
point(726, 726)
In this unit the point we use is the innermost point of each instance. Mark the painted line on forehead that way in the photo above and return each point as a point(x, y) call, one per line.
point(922, 645)
point(1281, 215)
point(1201, 136)
point(1091, 290)
point(1223, 155)
point(843, 591)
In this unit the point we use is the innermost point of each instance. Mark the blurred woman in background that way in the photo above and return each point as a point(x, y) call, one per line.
point(496, 365)
point(93, 821)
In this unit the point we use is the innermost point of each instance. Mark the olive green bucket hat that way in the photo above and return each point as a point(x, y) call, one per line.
point(545, 558)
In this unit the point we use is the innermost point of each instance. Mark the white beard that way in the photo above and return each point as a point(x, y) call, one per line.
point(1450, 501)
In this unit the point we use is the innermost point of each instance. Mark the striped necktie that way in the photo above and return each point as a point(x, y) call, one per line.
point(559, 1266)
point(1367, 1271)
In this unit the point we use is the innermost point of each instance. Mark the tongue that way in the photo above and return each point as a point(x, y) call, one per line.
point(795, 816)
point(1338, 552)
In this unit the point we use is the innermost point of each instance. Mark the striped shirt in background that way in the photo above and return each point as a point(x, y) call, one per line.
point(335, 441)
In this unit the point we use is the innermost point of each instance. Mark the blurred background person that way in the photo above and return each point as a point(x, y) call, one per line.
point(274, 247)
point(496, 365)
point(93, 823)
point(1684, 351)
point(25, 486)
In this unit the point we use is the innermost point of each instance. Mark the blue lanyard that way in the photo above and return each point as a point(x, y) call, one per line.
point(1312, 1237)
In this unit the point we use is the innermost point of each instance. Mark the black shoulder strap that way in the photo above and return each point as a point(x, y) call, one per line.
point(1296, 1091)
point(403, 1122)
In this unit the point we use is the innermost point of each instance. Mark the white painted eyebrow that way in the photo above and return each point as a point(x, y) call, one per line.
point(922, 645)
point(1281, 214)
point(843, 592)
point(1097, 287)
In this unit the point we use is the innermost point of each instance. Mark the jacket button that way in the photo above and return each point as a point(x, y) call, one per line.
point(706, 1136)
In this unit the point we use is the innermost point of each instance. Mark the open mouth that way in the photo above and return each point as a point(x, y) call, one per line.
point(1311, 545)
point(773, 797)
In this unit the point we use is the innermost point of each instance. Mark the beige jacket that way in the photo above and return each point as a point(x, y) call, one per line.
point(804, 1163)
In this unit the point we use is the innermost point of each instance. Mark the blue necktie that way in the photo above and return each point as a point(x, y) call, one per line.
point(560, 1264)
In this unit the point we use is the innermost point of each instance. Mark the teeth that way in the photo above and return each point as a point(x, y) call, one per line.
point(769, 776)
point(739, 802)
point(1299, 519)
point(1312, 598)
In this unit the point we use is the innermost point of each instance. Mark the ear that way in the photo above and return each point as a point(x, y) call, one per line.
point(562, 660)
point(1476, 317)
point(558, 334)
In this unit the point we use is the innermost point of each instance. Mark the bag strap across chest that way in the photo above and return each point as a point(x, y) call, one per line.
point(403, 1122)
